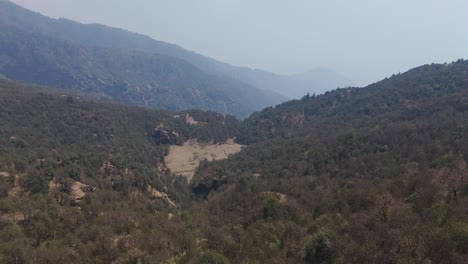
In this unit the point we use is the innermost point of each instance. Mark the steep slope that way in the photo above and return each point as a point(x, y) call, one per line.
point(44, 122)
point(352, 176)
point(399, 94)
point(68, 166)
point(95, 35)
point(32, 51)
point(371, 175)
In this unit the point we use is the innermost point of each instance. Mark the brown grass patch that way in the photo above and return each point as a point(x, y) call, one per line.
point(185, 159)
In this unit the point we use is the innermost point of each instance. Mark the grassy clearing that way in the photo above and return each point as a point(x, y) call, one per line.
point(185, 159)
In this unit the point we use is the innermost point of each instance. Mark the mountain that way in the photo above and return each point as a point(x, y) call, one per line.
point(95, 35)
point(419, 85)
point(295, 86)
point(369, 175)
point(68, 164)
point(37, 49)
point(46, 123)
point(356, 175)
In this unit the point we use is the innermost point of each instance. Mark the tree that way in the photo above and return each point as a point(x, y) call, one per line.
point(213, 257)
point(319, 250)
point(270, 207)
point(453, 180)
point(384, 203)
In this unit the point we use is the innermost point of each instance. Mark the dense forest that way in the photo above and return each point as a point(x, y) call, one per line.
point(66, 159)
point(369, 175)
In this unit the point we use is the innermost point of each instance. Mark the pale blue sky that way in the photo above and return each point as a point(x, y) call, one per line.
point(365, 40)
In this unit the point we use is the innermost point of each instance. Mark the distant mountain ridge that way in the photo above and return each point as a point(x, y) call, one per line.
point(318, 81)
point(38, 49)
point(96, 35)
point(291, 86)
point(420, 86)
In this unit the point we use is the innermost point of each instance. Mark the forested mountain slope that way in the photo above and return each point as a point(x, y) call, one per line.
point(402, 96)
point(38, 49)
point(43, 123)
point(371, 175)
point(68, 166)
point(94, 35)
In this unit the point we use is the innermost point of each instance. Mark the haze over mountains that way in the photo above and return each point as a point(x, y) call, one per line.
point(295, 86)
point(365, 41)
point(377, 174)
point(137, 70)
point(37, 49)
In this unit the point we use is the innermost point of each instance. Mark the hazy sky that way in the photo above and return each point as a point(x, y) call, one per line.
point(365, 40)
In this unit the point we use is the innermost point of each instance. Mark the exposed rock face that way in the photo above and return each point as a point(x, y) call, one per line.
point(191, 121)
point(78, 190)
point(162, 136)
point(155, 194)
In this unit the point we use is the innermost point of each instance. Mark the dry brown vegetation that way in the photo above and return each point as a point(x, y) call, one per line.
point(185, 159)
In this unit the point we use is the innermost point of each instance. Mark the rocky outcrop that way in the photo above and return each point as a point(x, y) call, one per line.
point(164, 137)
point(155, 194)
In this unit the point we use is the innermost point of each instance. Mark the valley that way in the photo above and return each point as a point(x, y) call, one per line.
point(361, 163)
point(119, 148)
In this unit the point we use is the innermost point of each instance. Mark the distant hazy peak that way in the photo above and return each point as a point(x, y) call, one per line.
point(323, 72)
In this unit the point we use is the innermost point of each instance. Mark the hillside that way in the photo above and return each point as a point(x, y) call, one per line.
point(95, 35)
point(396, 97)
point(69, 165)
point(369, 175)
point(45, 122)
point(33, 49)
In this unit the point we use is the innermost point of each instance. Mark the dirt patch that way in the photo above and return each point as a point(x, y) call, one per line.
point(78, 190)
point(185, 159)
point(14, 216)
point(191, 121)
point(17, 190)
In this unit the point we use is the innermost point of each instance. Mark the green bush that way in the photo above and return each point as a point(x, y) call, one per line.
point(213, 257)
point(319, 250)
